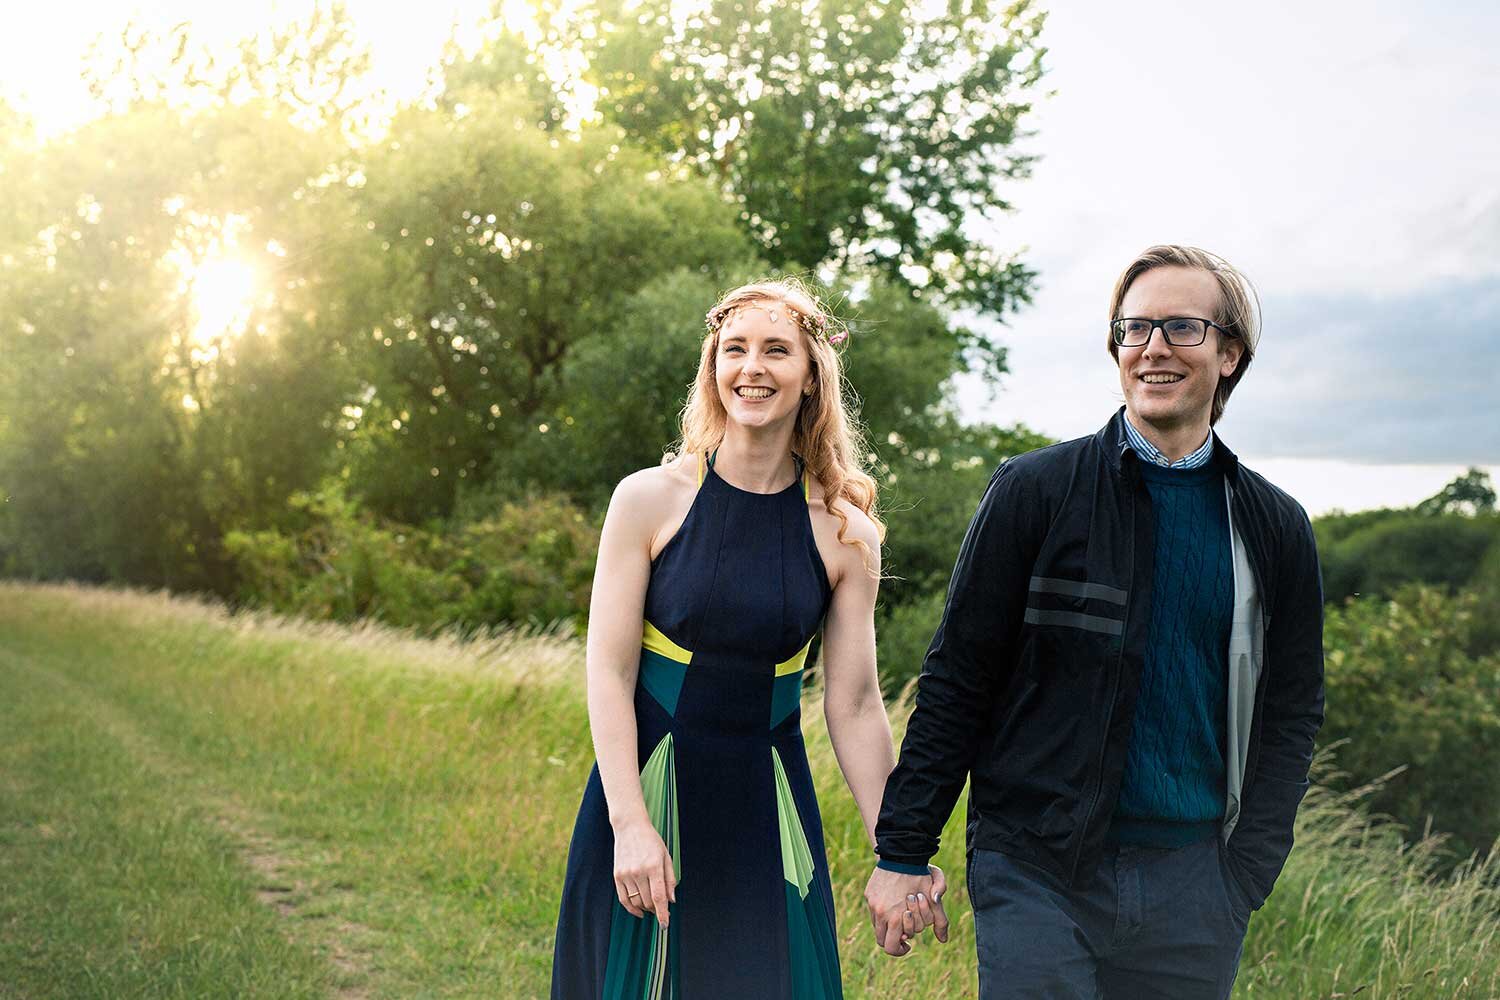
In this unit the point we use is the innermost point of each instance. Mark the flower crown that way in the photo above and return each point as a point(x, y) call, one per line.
point(813, 326)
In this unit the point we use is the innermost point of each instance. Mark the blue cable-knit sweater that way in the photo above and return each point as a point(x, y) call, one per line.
point(1173, 790)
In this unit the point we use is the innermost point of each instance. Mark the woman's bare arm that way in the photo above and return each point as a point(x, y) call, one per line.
point(852, 706)
point(616, 611)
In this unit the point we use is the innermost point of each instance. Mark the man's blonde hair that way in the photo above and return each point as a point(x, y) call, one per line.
point(1237, 315)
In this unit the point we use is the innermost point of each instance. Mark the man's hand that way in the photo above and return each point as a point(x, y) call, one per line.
point(902, 905)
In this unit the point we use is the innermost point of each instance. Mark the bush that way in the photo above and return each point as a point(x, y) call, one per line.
point(530, 563)
point(1404, 691)
point(904, 633)
point(1376, 552)
point(1484, 639)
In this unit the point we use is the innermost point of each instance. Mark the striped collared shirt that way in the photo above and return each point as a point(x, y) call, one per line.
point(1152, 454)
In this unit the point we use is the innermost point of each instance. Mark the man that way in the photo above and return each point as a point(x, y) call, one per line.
point(1129, 670)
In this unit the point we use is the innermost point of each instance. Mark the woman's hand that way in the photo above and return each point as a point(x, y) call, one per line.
point(927, 911)
point(644, 879)
point(902, 906)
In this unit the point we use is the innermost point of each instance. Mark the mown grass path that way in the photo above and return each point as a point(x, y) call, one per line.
point(200, 805)
point(194, 806)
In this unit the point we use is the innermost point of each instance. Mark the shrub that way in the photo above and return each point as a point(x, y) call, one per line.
point(1376, 552)
point(1485, 635)
point(531, 563)
point(1404, 691)
point(904, 633)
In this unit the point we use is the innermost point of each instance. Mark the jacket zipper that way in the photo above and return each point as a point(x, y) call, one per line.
point(1114, 693)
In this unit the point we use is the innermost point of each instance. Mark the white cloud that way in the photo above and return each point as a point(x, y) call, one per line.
point(1341, 153)
point(1410, 378)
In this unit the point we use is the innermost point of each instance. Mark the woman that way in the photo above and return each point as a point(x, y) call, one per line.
point(697, 866)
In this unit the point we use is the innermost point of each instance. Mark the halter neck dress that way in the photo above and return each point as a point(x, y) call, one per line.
point(733, 602)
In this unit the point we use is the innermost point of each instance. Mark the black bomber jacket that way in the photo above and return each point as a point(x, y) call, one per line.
point(1028, 688)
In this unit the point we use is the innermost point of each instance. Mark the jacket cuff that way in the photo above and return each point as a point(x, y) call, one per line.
point(900, 868)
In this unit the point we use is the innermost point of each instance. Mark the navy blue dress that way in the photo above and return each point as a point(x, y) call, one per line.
point(733, 602)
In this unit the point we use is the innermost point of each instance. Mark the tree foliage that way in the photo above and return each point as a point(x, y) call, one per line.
point(1444, 550)
point(1444, 540)
point(146, 410)
point(1405, 691)
point(499, 298)
point(858, 135)
point(1471, 493)
point(312, 70)
point(501, 250)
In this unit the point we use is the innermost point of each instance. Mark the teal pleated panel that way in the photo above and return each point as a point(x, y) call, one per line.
point(642, 963)
point(811, 949)
point(663, 678)
point(786, 695)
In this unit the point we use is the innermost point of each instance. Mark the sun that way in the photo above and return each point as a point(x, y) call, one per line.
point(223, 290)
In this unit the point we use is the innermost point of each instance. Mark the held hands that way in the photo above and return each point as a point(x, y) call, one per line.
point(644, 879)
point(901, 906)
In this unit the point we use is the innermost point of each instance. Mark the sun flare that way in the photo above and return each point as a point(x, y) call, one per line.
point(223, 293)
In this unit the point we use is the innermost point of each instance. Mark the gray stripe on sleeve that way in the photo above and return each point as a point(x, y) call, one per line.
point(1072, 588)
point(1072, 619)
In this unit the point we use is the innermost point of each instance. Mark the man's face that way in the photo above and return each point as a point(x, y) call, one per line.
point(1168, 387)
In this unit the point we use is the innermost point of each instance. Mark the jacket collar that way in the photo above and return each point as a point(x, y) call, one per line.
point(1116, 444)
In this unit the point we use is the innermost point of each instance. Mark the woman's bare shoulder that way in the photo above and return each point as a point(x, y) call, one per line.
point(861, 525)
point(840, 556)
point(653, 502)
point(657, 484)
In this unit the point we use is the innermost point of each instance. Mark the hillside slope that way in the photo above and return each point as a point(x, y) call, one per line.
point(196, 804)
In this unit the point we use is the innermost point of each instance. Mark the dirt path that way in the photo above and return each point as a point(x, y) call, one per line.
point(284, 880)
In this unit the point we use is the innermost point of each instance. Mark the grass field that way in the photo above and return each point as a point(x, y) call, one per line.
point(198, 805)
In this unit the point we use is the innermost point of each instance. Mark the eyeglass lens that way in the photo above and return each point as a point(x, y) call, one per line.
point(1179, 331)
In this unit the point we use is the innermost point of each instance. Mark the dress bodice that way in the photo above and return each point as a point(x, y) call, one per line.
point(741, 583)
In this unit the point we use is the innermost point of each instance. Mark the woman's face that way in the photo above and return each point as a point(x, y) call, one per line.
point(763, 365)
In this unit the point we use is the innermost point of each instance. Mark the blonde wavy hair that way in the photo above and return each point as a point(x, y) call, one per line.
point(825, 437)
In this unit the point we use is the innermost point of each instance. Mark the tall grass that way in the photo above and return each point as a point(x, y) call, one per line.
point(399, 810)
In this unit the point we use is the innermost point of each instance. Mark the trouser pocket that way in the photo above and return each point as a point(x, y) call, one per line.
point(1239, 901)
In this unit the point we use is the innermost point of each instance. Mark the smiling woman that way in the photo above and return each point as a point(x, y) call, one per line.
point(698, 865)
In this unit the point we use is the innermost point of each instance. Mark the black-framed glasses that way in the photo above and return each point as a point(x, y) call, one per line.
point(1180, 331)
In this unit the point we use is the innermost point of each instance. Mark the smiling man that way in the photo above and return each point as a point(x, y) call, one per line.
point(1129, 671)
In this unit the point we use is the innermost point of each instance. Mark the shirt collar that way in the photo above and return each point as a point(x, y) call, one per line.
point(1150, 453)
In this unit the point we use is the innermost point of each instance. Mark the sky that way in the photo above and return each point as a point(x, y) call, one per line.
point(1346, 156)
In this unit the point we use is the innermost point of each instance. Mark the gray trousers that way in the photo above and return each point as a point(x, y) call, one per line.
point(1147, 924)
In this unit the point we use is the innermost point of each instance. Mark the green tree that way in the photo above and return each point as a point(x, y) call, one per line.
point(1405, 692)
point(313, 70)
point(502, 249)
point(170, 369)
point(1471, 493)
point(1398, 547)
point(620, 396)
point(853, 134)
